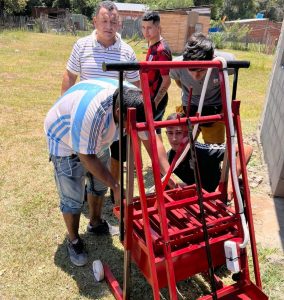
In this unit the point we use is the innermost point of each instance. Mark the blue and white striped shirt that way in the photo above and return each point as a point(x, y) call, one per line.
point(81, 121)
point(88, 55)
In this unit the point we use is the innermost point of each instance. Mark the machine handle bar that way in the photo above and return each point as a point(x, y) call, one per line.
point(130, 66)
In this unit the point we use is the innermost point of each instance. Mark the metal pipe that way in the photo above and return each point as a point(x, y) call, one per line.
point(128, 66)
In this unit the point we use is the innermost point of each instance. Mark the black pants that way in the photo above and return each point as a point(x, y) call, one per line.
point(158, 116)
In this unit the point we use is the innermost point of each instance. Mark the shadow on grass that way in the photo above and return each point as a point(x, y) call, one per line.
point(105, 248)
point(98, 248)
point(148, 177)
point(109, 250)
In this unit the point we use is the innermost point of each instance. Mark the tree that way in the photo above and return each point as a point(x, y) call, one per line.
point(272, 9)
point(216, 7)
point(10, 7)
point(31, 4)
point(236, 9)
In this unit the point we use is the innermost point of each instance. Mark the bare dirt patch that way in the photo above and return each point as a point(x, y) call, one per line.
point(266, 210)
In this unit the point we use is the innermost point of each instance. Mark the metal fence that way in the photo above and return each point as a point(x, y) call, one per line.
point(17, 22)
point(64, 24)
point(61, 24)
point(131, 28)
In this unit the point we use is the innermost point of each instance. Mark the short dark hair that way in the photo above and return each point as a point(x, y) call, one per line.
point(109, 5)
point(151, 16)
point(132, 97)
point(174, 116)
point(198, 47)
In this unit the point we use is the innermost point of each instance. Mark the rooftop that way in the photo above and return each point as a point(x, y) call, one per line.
point(131, 6)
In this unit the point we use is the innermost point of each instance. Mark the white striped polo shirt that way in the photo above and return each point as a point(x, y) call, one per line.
point(81, 121)
point(88, 55)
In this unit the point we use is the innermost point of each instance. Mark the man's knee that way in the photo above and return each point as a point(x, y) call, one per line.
point(71, 206)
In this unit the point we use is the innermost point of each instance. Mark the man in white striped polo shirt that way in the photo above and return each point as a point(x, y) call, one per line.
point(103, 45)
point(87, 56)
point(80, 127)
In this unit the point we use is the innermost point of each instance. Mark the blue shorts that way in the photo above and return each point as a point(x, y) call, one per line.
point(70, 175)
point(94, 186)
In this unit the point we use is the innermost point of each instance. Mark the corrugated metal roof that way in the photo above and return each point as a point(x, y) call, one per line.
point(202, 10)
point(131, 7)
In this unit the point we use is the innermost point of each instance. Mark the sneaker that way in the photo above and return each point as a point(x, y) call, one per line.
point(77, 253)
point(100, 229)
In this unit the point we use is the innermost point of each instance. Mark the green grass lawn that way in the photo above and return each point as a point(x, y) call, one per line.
point(33, 260)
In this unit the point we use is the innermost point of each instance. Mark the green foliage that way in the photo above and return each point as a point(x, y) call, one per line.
point(62, 3)
point(272, 9)
point(31, 4)
point(216, 23)
point(232, 9)
point(219, 39)
point(232, 36)
point(85, 7)
point(216, 5)
point(13, 6)
point(235, 9)
point(237, 32)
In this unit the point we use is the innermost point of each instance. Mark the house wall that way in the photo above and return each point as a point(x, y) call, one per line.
point(38, 10)
point(272, 125)
point(205, 21)
point(130, 14)
point(174, 23)
point(261, 30)
point(175, 28)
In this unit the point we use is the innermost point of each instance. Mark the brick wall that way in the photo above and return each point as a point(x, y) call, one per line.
point(272, 127)
point(261, 30)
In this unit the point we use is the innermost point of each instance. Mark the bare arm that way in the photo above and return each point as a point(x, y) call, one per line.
point(163, 160)
point(163, 89)
point(68, 80)
point(136, 83)
point(93, 164)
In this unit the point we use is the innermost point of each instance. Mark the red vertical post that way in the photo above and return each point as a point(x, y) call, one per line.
point(143, 200)
point(236, 111)
point(158, 185)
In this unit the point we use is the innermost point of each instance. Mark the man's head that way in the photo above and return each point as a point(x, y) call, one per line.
point(151, 27)
point(176, 134)
point(198, 47)
point(132, 97)
point(106, 21)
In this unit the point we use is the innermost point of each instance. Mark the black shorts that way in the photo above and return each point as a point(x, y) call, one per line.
point(206, 111)
point(160, 111)
point(158, 116)
point(114, 148)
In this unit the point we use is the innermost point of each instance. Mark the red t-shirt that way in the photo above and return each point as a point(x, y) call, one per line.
point(157, 52)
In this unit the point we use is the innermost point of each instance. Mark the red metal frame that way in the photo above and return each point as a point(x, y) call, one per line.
point(164, 233)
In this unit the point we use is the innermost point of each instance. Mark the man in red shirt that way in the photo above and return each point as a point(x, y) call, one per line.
point(159, 80)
